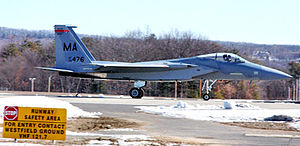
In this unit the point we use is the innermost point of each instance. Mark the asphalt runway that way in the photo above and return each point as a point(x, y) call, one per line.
point(212, 132)
point(205, 131)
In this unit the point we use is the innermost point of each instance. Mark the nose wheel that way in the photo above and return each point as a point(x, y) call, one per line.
point(206, 97)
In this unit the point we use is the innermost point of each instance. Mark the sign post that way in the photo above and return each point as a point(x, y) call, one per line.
point(34, 123)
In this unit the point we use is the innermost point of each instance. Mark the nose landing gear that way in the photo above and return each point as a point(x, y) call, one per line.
point(208, 88)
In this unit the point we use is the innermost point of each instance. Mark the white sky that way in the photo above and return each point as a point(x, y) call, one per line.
point(257, 21)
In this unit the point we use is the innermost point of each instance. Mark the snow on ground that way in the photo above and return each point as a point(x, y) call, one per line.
point(108, 139)
point(5, 93)
point(120, 129)
point(124, 137)
point(112, 96)
point(131, 141)
point(230, 112)
point(98, 142)
point(295, 124)
point(18, 144)
point(120, 139)
point(85, 134)
point(43, 101)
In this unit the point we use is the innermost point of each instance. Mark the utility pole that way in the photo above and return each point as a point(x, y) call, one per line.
point(200, 88)
point(289, 93)
point(181, 89)
point(294, 91)
point(49, 83)
point(298, 98)
point(62, 85)
point(77, 88)
point(176, 89)
point(32, 84)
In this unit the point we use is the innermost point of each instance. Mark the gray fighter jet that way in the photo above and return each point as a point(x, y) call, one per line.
point(74, 59)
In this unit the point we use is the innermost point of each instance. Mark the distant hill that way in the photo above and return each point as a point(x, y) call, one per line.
point(17, 36)
point(281, 52)
point(11, 33)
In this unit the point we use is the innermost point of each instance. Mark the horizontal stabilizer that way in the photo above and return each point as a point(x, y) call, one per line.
point(54, 69)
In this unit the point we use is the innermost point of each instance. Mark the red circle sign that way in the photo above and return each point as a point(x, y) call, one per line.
point(11, 113)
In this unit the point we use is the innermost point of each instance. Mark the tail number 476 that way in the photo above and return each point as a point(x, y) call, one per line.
point(76, 59)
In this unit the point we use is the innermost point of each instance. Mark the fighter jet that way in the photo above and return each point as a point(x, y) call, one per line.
point(74, 59)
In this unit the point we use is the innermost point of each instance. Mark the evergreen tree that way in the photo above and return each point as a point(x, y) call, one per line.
point(10, 50)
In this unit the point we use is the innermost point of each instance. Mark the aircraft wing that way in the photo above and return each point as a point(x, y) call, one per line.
point(54, 69)
point(130, 65)
point(120, 67)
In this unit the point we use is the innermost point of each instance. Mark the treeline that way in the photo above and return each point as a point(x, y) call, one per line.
point(10, 33)
point(18, 62)
point(283, 52)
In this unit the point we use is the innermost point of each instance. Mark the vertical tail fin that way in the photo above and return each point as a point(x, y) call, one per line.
point(70, 50)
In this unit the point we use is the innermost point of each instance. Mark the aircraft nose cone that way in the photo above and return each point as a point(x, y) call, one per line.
point(283, 75)
point(273, 74)
point(287, 75)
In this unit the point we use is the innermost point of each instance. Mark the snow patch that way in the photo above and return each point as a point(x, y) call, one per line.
point(19, 144)
point(121, 139)
point(181, 104)
point(46, 102)
point(230, 112)
point(121, 129)
point(5, 93)
point(98, 142)
point(70, 133)
point(184, 105)
point(295, 124)
point(111, 96)
point(124, 141)
point(234, 105)
point(229, 105)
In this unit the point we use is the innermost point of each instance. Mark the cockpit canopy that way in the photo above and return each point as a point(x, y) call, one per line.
point(228, 57)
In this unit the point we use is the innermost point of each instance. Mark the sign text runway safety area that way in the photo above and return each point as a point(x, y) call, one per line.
point(34, 123)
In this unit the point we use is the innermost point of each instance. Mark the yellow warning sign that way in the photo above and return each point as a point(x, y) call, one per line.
point(34, 123)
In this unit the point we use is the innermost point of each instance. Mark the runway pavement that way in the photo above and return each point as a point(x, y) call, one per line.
point(211, 131)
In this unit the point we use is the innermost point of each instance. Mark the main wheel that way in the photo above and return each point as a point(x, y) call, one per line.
point(206, 97)
point(142, 92)
point(136, 93)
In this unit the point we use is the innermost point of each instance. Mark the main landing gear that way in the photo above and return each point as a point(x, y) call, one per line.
point(137, 92)
point(208, 88)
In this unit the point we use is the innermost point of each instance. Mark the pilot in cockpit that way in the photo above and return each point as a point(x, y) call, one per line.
point(227, 57)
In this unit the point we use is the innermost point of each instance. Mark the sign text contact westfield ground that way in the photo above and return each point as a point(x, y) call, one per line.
point(34, 123)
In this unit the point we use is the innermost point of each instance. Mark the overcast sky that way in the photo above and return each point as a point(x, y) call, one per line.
point(257, 21)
